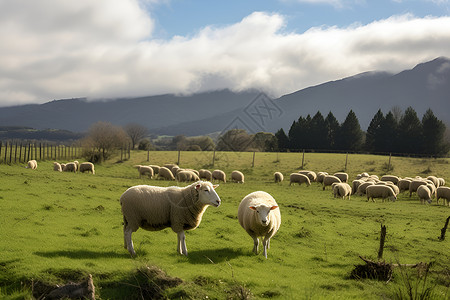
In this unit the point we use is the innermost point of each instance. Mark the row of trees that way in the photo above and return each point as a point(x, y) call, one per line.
point(393, 132)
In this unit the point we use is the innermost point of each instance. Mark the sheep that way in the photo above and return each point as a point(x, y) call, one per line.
point(195, 171)
point(187, 176)
point(328, 180)
point(70, 167)
point(311, 175)
point(342, 189)
point(174, 170)
point(57, 167)
point(342, 176)
point(403, 184)
point(362, 188)
point(219, 175)
point(444, 193)
point(237, 176)
point(259, 215)
point(394, 179)
point(155, 208)
point(77, 164)
point(415, 184)
point(205, 174)
point(321, 176)
point(355, 184)
point(87, 167)
point(299, 178)
point(155, 168)
point(170, 166)
point(278, 176)
point(63, 166)
point(441, 181)
point(165, 173)
point(380, 191)
point(145, 170)
point(31, 164)
point(435, 180)
point(362, 175)
point(424, 194)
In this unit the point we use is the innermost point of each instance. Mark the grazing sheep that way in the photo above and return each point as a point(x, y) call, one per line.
point(403, 184)
point(415, 184)
point(155, 168)
point(380, 191)
point(444, 193)
point(170, 166)
point(219, 175)
point(31, 164)
point(175, 169)
point(362, 188)
point(342, 176)
point(195, 171)
point(394, 179)
point(311, 175)
point(259, 215)
point(77, 164)
point(362, 175)
point(145, 170)
point(424, 194)
point(155, 208)
point(321, 176)
point(355, 184)
point(278, 176)
point(187, 176)
point(205, 174)
point(237, 176)
point(87, 167)
point(70, 167)
point(434, 179)
point(57, 167)
point(328, 180)
point(299, 178)
point(342, 189)
point(441, 181)
point(165, 173)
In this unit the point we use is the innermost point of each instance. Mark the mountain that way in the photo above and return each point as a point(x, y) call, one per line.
point(425, 86)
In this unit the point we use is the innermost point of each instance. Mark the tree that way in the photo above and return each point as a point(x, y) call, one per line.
point(350, 133)
point(234, 140)
point(298, 133)
point(136, 133)
point(102, 139)
point(374, 131)
point(332, 125)
point(264, 141)
point(282, 140)
point(318, 132)
point(433, 131)
point(387, 139)
point(410, 132)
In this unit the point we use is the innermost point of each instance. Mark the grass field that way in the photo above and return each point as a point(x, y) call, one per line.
point(59, 227)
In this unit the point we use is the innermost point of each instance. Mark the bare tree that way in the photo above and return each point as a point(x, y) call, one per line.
point(397, 113)
point(136, 132)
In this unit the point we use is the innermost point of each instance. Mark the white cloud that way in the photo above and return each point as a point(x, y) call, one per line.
point(104, 48)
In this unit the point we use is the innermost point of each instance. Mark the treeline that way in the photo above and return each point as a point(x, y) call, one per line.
point(394, 132)
point(27, 133)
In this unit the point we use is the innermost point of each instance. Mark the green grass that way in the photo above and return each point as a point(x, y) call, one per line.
point(58, 227)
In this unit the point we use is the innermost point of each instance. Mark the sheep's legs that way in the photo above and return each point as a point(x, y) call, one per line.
point(266, 245)
point(255, 244)
point(128, 243)
point(181, 246)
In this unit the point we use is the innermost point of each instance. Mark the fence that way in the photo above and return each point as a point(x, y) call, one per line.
point(20, 152)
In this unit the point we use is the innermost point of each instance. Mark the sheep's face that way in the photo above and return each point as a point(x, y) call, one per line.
point(393, 198)
point(263, 213)
point(207, 194)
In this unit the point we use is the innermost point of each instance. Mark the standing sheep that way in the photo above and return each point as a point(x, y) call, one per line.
point(155, 168)
point(311, 175)
point(57, 167)
point(362, 188)
point(87, 167)
point(380, 191)
point(394, 179)
point(154, 208)
point(278, 176)
point(321, 176)
point(259, 215)
point(70, 167)
point(342, 176)
point(444, 193)
point(205, 174)
point(237, 176)
point(328, 180)
point(415, 184)
point(31, 164)
point(219, 175)
point(342, 189)
point(187, 176)
point(165, 173)
point(424, 194)
point(145, 170)
point(403, 184)
point(299, 178)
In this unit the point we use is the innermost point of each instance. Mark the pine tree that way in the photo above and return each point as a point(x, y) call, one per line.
point(387, 139)
point(373, 132)
point(332, 126)
point(433, 134)
point(350, 133)
point(318, 132)
point(410, 132)
point(282, 140)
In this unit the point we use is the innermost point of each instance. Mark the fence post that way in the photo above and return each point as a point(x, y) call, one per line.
point(35, 151)
point(253, 162)
point(6, 150)
point(303, 159)
point(389, 163)
point(29, 152)
point(10, 153)
point(179, 153)
point(129, 151)
point(15, 154)
point(148, 155)
point(0, 148)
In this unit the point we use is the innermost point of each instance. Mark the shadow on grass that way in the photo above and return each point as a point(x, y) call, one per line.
point(214, 255)
point(82, 254)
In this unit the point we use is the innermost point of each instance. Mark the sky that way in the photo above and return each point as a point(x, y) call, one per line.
point(59, 49)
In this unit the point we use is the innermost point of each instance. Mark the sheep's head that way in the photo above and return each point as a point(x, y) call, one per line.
point(207, 194)
point(263, 212)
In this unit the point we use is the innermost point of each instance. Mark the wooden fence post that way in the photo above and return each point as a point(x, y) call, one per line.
point(10, 152)
point(253, 162)
point(382, 238)
point(148, 155)
point(35, 151)
point(179, 154)
point(214, 157)
point(6, 150)
point(346, 161)
point(15, 154)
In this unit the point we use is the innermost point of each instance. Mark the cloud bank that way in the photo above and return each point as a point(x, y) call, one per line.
point(104, 49)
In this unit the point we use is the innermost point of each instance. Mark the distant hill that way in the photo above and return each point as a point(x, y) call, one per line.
point(425, 86)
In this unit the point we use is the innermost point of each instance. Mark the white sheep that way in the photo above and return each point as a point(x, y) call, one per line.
point(278, 176)
point(87, 167)
point(299, 178)
point(219, 175)
point(355, 184)
point(342, 176)
point(424, 194)
point(342, 189)
point(380, 191)
point(394, 179)
point(155, 208)
point(311, 174)
point(435, 180)
point(205, 174)
point(237, 176)
point(321, 176)
point(403, 184)
point(77, 164)
point(441, 181)
point(187, 176)
point(57, 167)
point(328, 180)
point(145, 170)
point(415, 184)
point(155, 168)
point(70, 167)
point(165, 173)
point(31, 164)
point(444, 193)
point(362, 188)
point(259, 215)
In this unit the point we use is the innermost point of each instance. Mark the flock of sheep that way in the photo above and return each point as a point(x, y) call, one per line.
point(66, 167)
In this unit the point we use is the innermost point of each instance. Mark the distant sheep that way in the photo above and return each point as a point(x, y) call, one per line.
point(362, 175)
point(394, 179)
point(328, 180)
point(205, 174)
point(219, 175)
point(342, 176)
point(355, 184)
point(165, 173)
point(424, 194)
point(342, 189)
point(444, 193)
point(362, 188)
point(415, 184)
point(311, 175)
point(441, 181)
point(57, 167)
point(380, 191)
point(278, 176)
point(187, 176)
point(155, 208)
point(321, 176)
point(145, 170)
point(87, 167)
point(299, 178)
point(70, 167)
point(237, 176)
point(259, 215)
point(435, 180)
point(155, 168)
point(31, 164)
point(403, 184)
point(77, 164)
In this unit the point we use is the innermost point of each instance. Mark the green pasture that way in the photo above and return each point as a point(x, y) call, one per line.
point(59, 227)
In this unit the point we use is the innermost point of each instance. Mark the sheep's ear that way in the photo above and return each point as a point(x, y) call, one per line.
point(215, 186)
point(252, 207)
point(273, 207)
point(197, 187)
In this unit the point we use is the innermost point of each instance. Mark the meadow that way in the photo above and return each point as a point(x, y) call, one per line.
point(59, 227)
